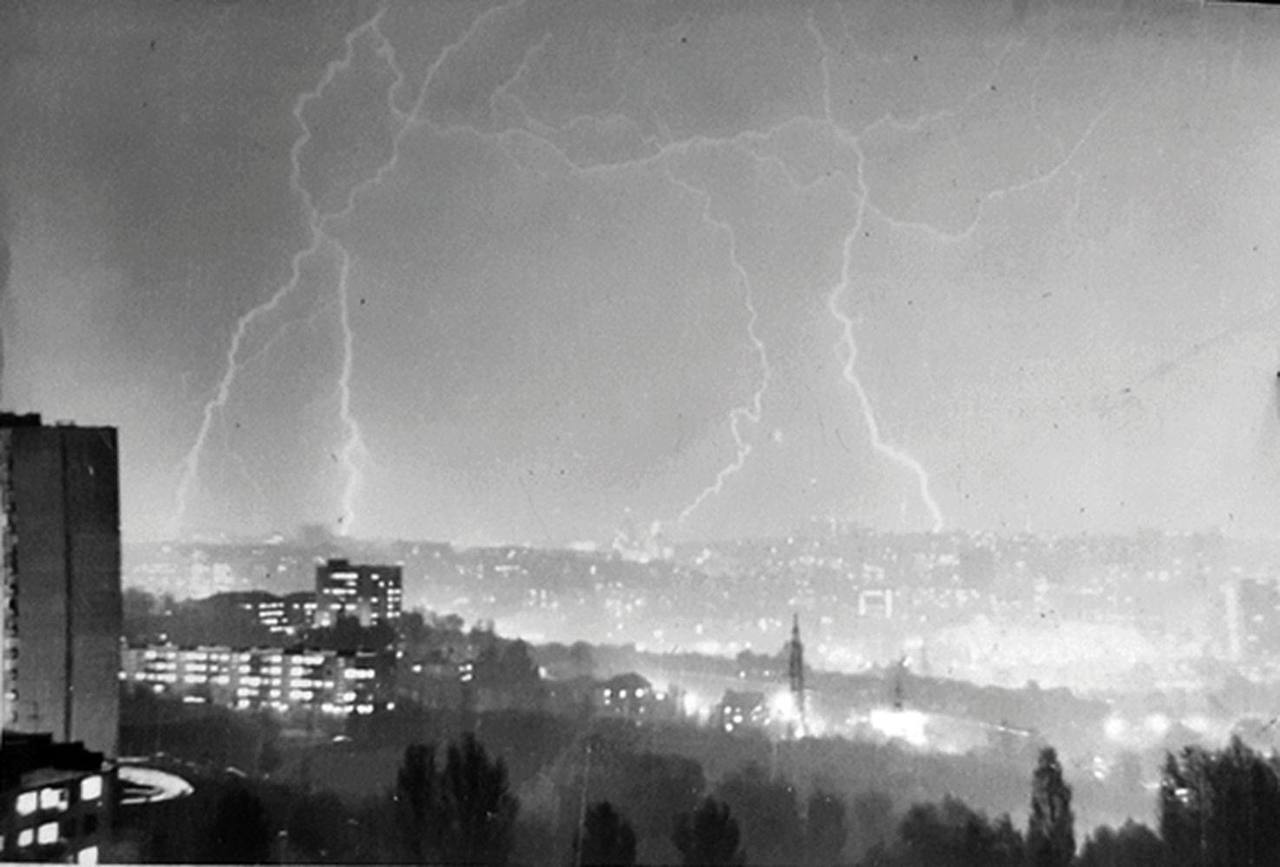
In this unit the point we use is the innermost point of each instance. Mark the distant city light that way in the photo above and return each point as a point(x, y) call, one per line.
point(904, 725)
point(1115, 728)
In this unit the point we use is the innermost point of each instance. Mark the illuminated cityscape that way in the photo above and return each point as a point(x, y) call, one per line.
point(520, 433)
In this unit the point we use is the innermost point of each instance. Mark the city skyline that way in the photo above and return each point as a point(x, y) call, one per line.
point(428, 271)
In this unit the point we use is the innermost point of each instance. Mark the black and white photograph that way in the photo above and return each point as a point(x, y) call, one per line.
point(840, 433)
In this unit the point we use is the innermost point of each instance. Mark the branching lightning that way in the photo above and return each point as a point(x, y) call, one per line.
point(660, 159)
point(849, 348)
point(847, 345)
point(352, 452)
point(753, 410)
point(513, 121)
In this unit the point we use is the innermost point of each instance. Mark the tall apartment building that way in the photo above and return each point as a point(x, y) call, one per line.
point(371, 594)
point(60, 601)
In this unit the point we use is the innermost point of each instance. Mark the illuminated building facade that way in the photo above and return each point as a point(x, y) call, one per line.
point(282, 615)
point(60, 599)
point(370, 594)
point(55, 800)
point(299, 611)
point(741, 710)
point(633, 697)
point(330, 681)
point(1256, 619)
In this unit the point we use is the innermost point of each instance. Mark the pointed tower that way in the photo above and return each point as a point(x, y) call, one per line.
point(795, 671)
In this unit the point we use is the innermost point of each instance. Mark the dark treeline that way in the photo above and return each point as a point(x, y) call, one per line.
point(1217, 808)
point(603, 797)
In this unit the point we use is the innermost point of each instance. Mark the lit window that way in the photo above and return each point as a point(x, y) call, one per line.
point(88, 855)
point(47, 834)
point(27, 803)
point(53, 799)
point(26, 837)
point(91, 788)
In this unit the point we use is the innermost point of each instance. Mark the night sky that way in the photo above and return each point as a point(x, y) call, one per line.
point(537, 271)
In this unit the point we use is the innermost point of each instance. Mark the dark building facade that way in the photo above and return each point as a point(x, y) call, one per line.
point(60, 621)
point(370, 594)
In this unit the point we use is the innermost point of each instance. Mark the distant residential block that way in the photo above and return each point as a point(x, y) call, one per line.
point(370, 594)
point(329, 681)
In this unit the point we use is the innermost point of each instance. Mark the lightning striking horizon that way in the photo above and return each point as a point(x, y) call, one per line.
point(753, 410)
point(352, 451)
point(217, 404)
point(846, 348)
point(846, 341)
point(528, 138)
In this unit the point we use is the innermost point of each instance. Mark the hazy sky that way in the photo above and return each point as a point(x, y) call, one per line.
point(505, 272)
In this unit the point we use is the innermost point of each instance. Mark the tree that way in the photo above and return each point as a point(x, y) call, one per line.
point(605, 839)
point(417, 804)
point(824, 828)
point(656, 786)
point(768, 812)
point(952, 834)
point(1220, 808)
point(1134, 845)
point(462, 813)
point(708, 836)
point(1179, 815)
point(582, 659)
point(872, 820)
point(479, 811)
point(240, 833)
point(1051, 840)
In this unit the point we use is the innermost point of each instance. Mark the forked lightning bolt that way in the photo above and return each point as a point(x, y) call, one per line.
point(524, 125)
point(319, 223)
point(847, 345)
point(750, 412)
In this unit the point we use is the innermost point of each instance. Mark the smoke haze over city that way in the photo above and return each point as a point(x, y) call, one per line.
point(534, 271)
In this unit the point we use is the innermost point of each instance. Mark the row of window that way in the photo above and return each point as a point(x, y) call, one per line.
point(29, 837)
point(57, 798)
point(48, 833)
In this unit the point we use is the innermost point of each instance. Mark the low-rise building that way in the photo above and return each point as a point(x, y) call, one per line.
point(741, 710)
point(56, 799)
point(631, 696)
point(330, 681)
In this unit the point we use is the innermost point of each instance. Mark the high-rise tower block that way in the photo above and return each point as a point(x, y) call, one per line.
point(60, 601)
